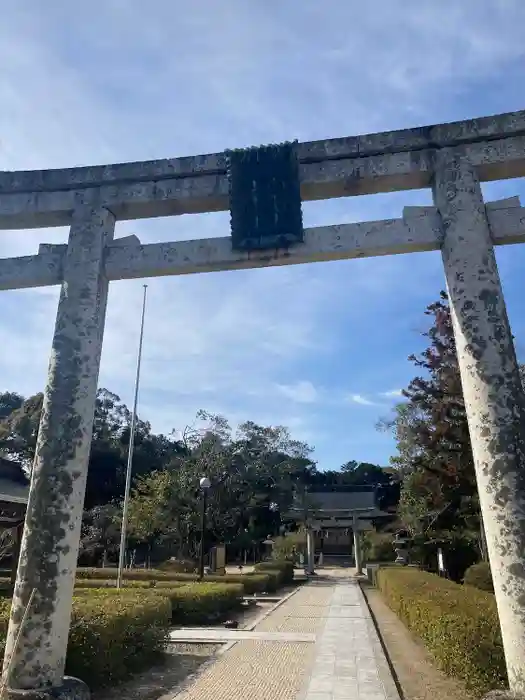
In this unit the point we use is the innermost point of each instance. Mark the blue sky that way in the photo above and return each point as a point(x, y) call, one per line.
point(321, 348)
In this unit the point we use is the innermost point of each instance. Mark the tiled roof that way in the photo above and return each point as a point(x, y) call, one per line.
point(14, 486)
point(340, 501)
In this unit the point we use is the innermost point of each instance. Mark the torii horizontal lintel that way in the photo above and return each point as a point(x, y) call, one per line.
point(383, 162)
point(419, 230)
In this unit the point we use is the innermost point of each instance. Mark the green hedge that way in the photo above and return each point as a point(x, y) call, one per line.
point(179, 566)
point(117, 632)
point(251, 583)
point(275, 576)
point(129, 574)
point(202, 603)
point(133, 585)
point(285, 569)
point(111, 636)
point(459, 625)
point(262, 581)
point(479, 576)
point(196, 603)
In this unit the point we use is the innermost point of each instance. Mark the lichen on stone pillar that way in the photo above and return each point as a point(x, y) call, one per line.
point(492, 391)
point(50, 543)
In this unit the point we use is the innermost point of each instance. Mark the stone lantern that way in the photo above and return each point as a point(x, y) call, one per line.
point(402, 542)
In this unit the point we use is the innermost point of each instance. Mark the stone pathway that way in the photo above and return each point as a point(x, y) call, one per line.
point(346, 661)
point(349, 660)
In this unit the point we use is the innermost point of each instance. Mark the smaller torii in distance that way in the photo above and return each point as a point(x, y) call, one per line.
point(336, 512)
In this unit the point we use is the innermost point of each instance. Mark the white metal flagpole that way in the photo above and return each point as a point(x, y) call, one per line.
point(123, 532)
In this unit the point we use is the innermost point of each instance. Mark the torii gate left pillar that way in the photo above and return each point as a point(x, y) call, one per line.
point(50, 543)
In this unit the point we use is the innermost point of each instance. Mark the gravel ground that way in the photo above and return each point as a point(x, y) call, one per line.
point(180, 662)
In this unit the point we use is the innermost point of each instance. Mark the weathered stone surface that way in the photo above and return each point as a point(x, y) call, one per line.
point(50, 544)
point(366, 164)
point(467, 131)
point(492, 391)
point(419, 230)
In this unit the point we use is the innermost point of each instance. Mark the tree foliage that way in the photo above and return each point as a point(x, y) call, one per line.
point(19, 426)
point(255, 472)
point(439, 501)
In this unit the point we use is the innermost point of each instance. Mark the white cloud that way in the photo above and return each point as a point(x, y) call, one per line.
point(361, 400)
point(392, 394)
point(300, 392)
point(100, 82)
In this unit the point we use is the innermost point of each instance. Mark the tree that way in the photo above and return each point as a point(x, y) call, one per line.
point(20, 420)
point(255, 471)
point(7, 543)
point(9, 401)
point(19, 429)
point(363, 473)
point(251, 472)
point(439, 497)
point(100, 535)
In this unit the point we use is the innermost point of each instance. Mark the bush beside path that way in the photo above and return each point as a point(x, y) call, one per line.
point(458, 624)
point(116, 633)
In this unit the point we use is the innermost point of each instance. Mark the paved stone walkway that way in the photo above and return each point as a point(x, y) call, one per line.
point(346, 661)
point(349, 660)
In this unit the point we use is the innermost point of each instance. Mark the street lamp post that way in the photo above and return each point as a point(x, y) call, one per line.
point(204, 485)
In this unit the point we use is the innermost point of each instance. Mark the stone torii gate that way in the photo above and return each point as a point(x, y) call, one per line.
point(452, 159)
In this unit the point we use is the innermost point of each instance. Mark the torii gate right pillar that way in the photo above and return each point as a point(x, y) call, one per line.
point(492, 391)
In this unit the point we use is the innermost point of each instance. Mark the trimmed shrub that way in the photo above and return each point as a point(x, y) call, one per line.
point(195, 603)
point(253, 582)
point(108, 574)
point(111, 636)
point(114, 636)
point(274, 579)
point(178, 566)
point(98, 583)
point(479, 576)
point(285, 569)
point(87, 591)
point(201, 603)
point(459, 625)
